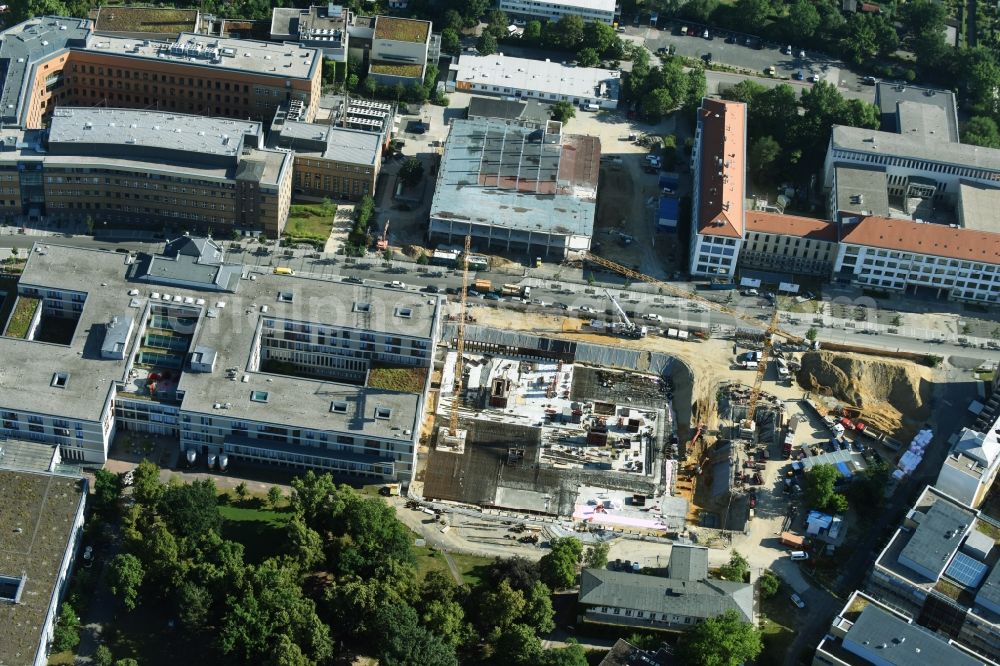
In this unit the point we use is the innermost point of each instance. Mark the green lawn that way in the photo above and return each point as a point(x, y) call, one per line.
point(472, 567)
point(261, 531)
point(310, 222)
point(778, 630)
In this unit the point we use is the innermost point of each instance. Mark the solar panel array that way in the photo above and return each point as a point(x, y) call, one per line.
point(966, 570)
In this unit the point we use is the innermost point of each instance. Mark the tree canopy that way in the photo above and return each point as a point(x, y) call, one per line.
point(721, 641)
point(340, 573)
point(558, 567)
point(820, 489)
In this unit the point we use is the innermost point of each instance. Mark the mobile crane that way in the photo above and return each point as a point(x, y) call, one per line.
point(769, 333)
point(626, 327)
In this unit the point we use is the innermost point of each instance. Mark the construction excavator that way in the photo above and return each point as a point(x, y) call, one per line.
point(769, 333)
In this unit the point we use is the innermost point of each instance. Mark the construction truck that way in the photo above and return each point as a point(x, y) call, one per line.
point(483, 286)
point(515, 290)
point(792, 540)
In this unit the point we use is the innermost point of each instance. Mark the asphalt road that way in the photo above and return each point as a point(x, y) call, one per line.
point(557, 295)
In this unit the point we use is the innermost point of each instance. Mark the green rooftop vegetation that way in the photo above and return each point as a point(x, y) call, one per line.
point(401, 30)
point(146, 19)
point(408, 71)
point(310, 223)
point(853, 611)
point(989, 529)
point(20, 319)
point(405, 380)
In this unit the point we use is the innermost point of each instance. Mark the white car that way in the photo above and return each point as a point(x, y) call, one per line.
point(652, 316)
point(396, 284)
point(587, 308)
point(798, 555)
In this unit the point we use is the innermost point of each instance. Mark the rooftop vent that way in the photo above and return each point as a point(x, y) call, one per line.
point(60, 379)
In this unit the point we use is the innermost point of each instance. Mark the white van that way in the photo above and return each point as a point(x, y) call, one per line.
point(591, 107)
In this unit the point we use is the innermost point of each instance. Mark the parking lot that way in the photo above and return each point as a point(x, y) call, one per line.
point(731, 49)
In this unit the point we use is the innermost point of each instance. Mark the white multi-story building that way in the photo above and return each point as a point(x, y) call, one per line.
point(545, 81)
point(717, 207)
point(601, 11)
point(263, 367)
point(971, 466)
point(902, 255)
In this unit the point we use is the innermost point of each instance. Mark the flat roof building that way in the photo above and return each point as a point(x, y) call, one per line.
point(400, 50)
point(547, 81)
point(164, 23)
point(908, 109)
point(940, 569)
point(320, 26)
point(527, 113)
point(600, 11)
point(868, 632)
point(971, 466)
point(270, 370)
point(330, 162)
point(516, 188)
point(977, 206)
point(54, 61)
point(195, 172)
point(858, 190)
point(41, 523)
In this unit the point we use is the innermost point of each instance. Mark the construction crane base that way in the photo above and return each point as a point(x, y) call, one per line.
point(452, 441)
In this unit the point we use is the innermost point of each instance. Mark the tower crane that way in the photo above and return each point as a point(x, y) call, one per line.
point(762, 366)
point(460, 340)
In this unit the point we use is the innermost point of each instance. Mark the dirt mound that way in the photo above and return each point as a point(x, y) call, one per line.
point(894, 396)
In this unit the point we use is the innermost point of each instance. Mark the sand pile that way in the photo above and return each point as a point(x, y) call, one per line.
point(894, 395)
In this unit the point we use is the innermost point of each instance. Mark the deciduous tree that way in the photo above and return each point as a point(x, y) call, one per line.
point(721, 641)
point(596, 556)
point(66, 634)
point(125, 577)
point(558, 566)
point(563, 111)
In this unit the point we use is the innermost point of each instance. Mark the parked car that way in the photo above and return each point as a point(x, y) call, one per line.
point(492, 297)
point(350, 279)
point(869, 80)
point(431, 289)
point(798, 555)
point(396, 284)
point(797, 600)
point(705, 34)
point(798, 76)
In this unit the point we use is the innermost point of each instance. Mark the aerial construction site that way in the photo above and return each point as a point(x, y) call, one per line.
point(649, 433)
